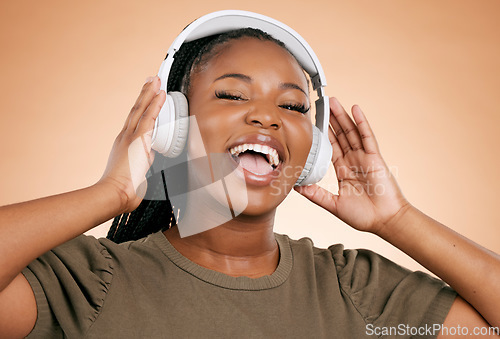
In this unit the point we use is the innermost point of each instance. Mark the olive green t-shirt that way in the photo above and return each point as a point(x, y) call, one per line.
point(94, 288)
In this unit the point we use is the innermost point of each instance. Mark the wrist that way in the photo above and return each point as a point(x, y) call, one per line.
point(397, 222)
point(116, 196)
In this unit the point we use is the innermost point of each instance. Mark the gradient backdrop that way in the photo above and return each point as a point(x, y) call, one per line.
point(426, 73)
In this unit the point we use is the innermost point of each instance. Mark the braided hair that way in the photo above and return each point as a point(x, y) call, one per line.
point(155, 212)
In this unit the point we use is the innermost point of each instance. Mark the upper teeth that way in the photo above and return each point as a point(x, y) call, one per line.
point(271, 153)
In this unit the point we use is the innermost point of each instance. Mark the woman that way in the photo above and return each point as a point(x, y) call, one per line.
point(239, 278)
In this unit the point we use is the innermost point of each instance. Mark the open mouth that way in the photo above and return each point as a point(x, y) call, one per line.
point(256, 158)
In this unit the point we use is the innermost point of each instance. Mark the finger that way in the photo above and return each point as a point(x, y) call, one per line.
point(348, 126)
point(339, 133)
point(319, 196)
point(148, 92)
point(341, 169)
point(367, 137)
point(146, 121)
point(337, 153)
point(151, 91)
point(146, 144)
point(137, 102)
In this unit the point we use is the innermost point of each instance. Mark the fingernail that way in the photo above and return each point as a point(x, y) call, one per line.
point(148, 80)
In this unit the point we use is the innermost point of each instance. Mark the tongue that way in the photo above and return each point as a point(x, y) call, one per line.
point(255, 163)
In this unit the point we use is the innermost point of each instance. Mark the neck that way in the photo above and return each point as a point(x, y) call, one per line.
point(242, 246)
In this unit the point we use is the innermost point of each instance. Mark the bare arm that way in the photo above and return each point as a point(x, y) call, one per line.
point(471, 270)
point(29, 229)
point(370, 200)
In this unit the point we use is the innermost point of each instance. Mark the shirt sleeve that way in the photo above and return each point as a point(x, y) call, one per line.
point(390, 297)
point(70, 284)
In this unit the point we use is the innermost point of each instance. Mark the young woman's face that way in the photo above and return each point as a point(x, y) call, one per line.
point(252, 93)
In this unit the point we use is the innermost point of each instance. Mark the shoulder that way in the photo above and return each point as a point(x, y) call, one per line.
point(362, 272)
point(379, 288)
point(99, 256)
point(72, 281)
point(344, 260)
point(87, 245)
point(353, 266)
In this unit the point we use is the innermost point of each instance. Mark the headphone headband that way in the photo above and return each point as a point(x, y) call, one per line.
point(227, 20)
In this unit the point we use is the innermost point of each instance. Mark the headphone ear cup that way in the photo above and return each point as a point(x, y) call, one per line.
point(171, 126)
point(318, 160)
point(181, 124)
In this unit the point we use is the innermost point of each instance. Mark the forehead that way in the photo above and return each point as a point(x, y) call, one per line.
point(249, 54)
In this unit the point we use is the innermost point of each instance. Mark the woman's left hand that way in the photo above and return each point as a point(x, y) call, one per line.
point(368, 197)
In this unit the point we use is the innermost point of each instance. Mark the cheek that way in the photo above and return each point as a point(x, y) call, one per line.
point(300, 140)
point(211, 131)
point(195, 143)
point(215, 124)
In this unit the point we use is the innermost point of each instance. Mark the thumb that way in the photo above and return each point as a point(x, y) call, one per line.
point(319, 196)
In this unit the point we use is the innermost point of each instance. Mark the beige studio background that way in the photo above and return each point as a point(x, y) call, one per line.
point(425, 72)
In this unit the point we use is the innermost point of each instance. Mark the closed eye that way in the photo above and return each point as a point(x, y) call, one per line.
point(296, 107)
point(228, 96)
point(224, 95)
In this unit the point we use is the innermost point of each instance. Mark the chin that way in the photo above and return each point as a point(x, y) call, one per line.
point(263, 200)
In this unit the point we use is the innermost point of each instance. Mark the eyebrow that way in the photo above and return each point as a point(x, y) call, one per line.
point(246, 78)
point(290, 85)
point(240, 76)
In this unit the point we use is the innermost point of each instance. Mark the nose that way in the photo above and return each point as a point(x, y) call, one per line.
point(264, 116)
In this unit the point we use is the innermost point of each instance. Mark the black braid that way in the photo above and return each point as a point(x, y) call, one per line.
point(183, 60)
point(157, 213)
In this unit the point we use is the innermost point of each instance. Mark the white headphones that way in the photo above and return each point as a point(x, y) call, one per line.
point(171, 126)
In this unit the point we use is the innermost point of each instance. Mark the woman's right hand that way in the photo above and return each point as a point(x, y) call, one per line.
point(131, 155)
